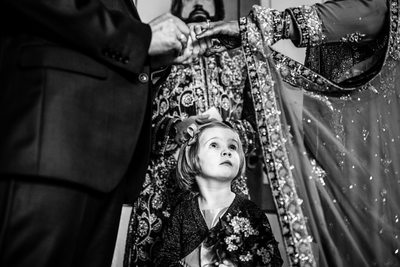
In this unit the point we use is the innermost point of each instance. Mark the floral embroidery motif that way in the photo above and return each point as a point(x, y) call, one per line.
point(272, 23)
point(241, 241)
point(354, 37)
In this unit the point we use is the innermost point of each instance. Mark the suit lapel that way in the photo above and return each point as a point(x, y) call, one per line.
point(132, 8)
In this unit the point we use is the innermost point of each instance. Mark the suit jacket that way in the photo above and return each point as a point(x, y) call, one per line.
point(74, 91)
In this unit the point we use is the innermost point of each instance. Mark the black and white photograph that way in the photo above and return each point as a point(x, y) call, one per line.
point(200, 133)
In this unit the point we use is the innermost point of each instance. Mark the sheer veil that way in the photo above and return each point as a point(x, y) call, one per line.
point(332, 152)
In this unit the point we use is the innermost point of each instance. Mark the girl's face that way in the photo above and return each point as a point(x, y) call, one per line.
point(219, 154)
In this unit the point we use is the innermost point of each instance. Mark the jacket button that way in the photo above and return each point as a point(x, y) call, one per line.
point(125, 60)
point(106, 52)
point(143, 78)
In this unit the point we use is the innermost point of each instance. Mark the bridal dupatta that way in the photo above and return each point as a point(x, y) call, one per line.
point(332, 152)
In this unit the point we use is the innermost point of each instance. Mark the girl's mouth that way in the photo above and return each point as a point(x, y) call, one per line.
point(227, 162)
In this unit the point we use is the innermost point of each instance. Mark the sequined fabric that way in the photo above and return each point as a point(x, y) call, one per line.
point(217, 81)
point(308, 24)
point(332, 149)
point(273, 139)
point(337, 61)
point(188, 229)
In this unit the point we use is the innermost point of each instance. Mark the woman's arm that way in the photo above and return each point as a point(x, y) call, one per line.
point(329, 22)
point(336, 21)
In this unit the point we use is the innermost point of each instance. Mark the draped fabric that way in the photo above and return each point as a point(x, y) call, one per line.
point(332, 146)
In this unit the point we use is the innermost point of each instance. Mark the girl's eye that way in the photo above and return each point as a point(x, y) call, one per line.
point(214, 145)
point(233, 147)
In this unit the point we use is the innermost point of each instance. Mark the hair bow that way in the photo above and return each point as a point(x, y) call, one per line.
point(192, 132)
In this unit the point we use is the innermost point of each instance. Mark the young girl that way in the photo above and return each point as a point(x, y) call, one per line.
point(213, 226)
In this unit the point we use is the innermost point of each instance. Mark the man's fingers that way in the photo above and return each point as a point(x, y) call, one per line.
point(182, 39)
point(181, 26)
point(183, 59)
point(186, 55)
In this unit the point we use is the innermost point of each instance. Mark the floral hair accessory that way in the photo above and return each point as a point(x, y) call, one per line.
point(192, 132)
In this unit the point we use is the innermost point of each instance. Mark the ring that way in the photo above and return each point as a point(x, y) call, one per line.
point(208, 24)
point(181, 38)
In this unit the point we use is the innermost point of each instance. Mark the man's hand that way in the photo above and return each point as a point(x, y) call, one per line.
point(195, 47)
point(169, 39)
point(169, 35)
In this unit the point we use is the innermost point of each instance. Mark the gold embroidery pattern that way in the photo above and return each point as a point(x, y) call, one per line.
point(272, 137)
point(394, 39)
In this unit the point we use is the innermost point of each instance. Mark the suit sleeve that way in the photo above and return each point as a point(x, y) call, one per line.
point(107, 35)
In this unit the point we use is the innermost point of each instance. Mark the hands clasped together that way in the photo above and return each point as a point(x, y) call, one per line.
point(175, 42)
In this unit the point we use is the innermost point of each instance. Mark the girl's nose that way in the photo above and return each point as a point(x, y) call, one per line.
point(226, 153)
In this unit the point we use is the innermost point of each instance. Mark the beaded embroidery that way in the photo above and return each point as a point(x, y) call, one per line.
point(309, 25)
point(271, 133)
point(273, 141)
point(394, 39)
point(354, 37)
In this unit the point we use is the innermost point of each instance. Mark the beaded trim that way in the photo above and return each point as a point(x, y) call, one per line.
point(271, 23)
point(272, 138)
point(394, 40)
point(309, 25)
point(354, 37)
point(299, 75)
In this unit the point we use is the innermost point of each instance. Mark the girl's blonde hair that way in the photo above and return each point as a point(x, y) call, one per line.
point(188, 161)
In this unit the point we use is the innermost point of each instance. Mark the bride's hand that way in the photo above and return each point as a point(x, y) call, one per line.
point(219, 29)
point(195, 47)
point(198, 46)
point(226, 33)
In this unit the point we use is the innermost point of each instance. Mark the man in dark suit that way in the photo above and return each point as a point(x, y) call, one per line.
point(75, 94)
